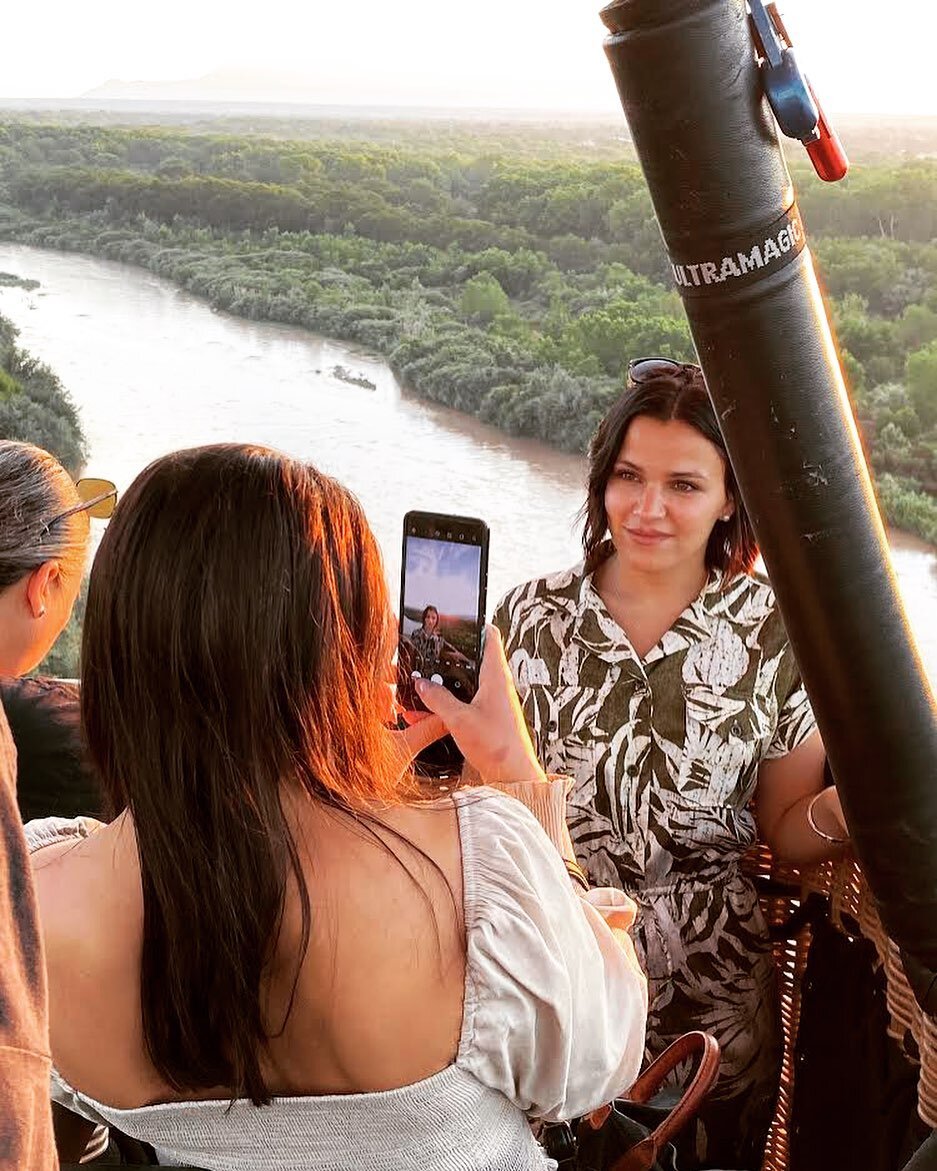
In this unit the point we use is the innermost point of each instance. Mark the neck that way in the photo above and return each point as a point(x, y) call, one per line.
point(17, 639)
point(679, 584)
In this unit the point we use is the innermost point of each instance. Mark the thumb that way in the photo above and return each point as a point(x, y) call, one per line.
point(439, 701)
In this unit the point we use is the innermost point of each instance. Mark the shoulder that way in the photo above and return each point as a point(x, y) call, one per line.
point(538, 600)
point(53, 831)
point(67, 871)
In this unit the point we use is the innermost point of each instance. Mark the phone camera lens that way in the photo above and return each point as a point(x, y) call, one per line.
point(461, 536)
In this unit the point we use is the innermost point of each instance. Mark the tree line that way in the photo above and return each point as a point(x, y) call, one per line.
point(34, 406)
point(514, 288)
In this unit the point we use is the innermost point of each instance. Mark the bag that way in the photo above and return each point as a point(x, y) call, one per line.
point(632, 1133)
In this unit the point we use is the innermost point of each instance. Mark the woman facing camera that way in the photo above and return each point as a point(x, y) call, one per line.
point(274, 955)
point(658, 674)
point(43, 545)
point(430, 647)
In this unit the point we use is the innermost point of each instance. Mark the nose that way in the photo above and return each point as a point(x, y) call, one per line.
point(651, 501)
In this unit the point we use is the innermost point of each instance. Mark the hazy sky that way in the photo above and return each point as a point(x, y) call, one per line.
point(442, 575)
point(862, 56)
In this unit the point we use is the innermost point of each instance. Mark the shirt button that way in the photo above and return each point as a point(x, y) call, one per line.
point(552, 726)
point(632, 771)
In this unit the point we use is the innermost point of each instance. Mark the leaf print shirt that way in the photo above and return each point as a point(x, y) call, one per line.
point(664, 750)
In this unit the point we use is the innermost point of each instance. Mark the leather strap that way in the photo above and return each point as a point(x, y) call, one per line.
point(644, 1155)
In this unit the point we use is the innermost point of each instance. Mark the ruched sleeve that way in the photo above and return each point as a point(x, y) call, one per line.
point(49, 831)
point(555, 1003)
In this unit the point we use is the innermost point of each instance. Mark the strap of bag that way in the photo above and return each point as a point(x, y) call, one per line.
point(644, 1155)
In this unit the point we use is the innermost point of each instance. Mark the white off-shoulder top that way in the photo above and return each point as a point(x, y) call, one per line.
point(553, 1026)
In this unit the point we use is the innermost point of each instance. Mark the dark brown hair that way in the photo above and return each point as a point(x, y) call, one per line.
point(236, 641)
point(682, 395)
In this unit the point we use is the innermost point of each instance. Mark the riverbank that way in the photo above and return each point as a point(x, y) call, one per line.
point(552, 406)
point(34, 406)
point(212, 377)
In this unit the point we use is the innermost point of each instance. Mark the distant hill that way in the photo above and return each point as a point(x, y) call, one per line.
point(240, 86)
point(252, 90)
point(287, 105)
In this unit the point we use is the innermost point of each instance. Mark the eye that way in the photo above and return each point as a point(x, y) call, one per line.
point(685, 486)
point(627, 474)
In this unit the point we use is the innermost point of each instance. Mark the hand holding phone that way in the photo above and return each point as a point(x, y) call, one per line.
point(442, 613)
point(490, 731)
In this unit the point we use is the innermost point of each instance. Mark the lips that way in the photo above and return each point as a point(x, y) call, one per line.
point(647, 536)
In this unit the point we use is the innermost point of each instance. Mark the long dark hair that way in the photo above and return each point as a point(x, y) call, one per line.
point(236, 638)
point(680, 395)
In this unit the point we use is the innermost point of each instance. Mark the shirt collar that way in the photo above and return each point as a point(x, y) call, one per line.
point(598, 632)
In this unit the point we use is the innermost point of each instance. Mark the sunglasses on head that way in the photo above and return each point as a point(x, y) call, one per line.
point(97, 497)
point(646, 369)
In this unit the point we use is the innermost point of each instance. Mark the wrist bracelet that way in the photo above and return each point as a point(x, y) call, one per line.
point(576, 873)
point(811, 821)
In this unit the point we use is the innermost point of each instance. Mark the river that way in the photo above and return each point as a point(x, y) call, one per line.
point(152, 368)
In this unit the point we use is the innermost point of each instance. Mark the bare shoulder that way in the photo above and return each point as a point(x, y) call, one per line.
point(88, 891)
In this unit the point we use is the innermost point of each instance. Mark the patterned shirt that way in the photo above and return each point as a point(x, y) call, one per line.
point(664, 753)
point(428, 647)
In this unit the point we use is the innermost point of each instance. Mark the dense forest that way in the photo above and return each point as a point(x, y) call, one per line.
point(34, 408)
point(511, 285)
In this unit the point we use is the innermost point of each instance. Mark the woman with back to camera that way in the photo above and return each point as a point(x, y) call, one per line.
point(285, 959)
point(43, 545)
point(658, 674)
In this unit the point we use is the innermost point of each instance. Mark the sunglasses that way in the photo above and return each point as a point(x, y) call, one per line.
point(97, 497)
point(646, 369)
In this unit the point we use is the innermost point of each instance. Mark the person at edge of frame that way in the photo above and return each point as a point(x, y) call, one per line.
point(44, 535)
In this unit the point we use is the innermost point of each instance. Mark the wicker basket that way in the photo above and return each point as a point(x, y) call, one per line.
point(852, 909)
point(781, 890)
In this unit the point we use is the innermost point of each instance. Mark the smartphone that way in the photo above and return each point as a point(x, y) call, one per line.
point(443, 588)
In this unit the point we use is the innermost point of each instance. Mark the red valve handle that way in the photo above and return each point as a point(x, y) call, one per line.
point(826, 153)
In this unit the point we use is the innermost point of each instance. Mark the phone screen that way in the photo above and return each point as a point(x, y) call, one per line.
point(442, 614)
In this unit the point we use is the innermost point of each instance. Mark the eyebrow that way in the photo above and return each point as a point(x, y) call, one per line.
point(691, 475)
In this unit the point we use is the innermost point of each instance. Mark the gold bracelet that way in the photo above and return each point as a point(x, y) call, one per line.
point(811, 821)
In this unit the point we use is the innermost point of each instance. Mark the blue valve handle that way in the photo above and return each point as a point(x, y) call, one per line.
point(788, 92)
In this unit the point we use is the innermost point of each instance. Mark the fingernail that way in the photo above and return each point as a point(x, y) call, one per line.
point(420, 685)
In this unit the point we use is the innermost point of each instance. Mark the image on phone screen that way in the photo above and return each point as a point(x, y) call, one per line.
point(441, 618)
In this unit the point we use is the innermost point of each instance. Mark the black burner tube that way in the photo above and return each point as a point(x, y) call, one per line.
point(690, 88)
